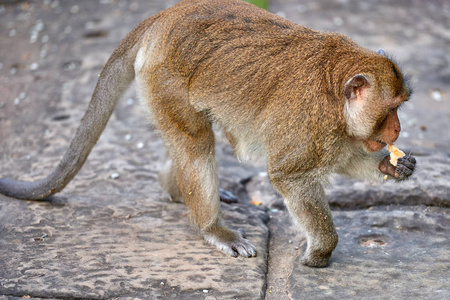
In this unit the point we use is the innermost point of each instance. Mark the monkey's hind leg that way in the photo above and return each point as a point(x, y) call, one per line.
point(195, 173)
point(191, 173)
point(169, 184)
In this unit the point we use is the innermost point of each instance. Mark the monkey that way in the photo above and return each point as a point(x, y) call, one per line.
point(305, 103)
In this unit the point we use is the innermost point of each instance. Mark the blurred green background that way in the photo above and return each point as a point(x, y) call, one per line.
point(261, 3)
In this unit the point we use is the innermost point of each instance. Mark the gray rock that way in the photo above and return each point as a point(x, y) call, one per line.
point(100, 237)
point(429, 186)
point(71, 247)
point(382, 253)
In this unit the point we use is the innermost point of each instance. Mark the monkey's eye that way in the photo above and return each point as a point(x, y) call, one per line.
point(394, 109)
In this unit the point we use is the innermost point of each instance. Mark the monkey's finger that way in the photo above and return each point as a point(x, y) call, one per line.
point(407, 163)
point(410, 158)
point(404, 171)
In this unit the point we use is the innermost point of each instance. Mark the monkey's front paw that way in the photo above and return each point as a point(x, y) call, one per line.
point(405, 167)
point(230, 242)
point(316, 260)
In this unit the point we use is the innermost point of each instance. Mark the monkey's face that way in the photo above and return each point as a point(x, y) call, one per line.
point(385, 131)
point(371, 109)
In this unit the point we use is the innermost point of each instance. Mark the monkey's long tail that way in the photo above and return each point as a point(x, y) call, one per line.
point(113, 81)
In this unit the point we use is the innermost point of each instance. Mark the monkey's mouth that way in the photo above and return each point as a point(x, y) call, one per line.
point(375, 145)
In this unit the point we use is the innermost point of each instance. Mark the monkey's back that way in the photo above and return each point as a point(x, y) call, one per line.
point(234, 57)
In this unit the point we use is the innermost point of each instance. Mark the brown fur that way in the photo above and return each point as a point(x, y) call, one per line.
point(308, 103)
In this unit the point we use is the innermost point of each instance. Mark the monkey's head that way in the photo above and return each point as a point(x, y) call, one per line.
point(372, 98)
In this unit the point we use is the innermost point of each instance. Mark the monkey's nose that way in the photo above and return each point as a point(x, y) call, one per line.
point(398, 128)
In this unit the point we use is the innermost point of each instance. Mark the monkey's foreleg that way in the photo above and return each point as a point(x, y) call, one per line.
point(306, 201)
point(191, 174)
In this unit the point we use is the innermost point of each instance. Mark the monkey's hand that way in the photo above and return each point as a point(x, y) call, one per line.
point(405, 167)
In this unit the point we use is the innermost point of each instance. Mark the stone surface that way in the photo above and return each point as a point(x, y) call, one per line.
point(391, 252)
point(127, 248)
point(387, 249)
point(113, 233)
point(429, 186)
point(393, 238)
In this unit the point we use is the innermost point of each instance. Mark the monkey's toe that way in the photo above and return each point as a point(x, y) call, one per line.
point(238, 247)
point(244, 248)
point(232, 243)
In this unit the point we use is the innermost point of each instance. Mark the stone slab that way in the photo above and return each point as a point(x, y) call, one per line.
point(394, 253)
point(72, 247)
point(429, 186)
point(393, 237)
point(385, 251)
point(112, 233)
point(388, 252)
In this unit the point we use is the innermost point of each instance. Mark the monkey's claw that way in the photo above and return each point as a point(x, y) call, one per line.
point(244, 249)
point(240, 246)
point(232, 243)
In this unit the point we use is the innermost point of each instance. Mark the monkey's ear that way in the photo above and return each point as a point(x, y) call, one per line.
point(382, 52)
point(355, 87)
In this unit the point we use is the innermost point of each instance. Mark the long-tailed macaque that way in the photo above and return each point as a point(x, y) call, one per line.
point(308, 103)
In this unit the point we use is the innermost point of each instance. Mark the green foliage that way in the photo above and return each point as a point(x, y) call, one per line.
point(260, 3)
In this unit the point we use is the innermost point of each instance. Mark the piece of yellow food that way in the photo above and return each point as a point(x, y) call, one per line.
point(395, 154)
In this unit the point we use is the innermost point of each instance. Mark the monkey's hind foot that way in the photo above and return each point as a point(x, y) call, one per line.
point(227, 197)
point(229, 241)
